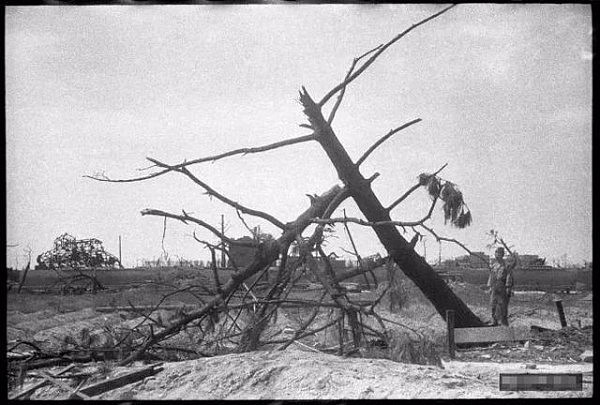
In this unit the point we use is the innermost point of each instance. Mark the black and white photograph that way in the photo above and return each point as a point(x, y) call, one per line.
point(298, 201)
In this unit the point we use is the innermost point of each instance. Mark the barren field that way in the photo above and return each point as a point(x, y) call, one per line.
point(308, 370)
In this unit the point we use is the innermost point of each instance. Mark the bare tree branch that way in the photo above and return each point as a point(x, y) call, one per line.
point(267, 253)
point(305, 324)
point(162, 242)
point(245, 224)
point(213, 267)
point(218, 247)
point(441, 238)
point(341, 95)
point(330, 221)
point(352, 240)
point(411, 190)
point(376, 55)
point(212, 192)
point(358, 270)
point(356, 254)
point(383, 139)
point(242, 151)
point(185, 218)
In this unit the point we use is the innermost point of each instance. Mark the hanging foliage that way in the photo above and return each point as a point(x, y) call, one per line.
point(455, 210)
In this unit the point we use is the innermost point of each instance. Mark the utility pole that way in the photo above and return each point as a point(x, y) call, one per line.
point(424, 248)
point(120, 262)
point(223, 264)
point(440, 255)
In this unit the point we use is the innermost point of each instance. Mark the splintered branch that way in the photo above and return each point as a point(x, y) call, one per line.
point(335, 203)
point(383, 139)
point(411, 190)
point(212, 192)
point(372, 59)
point(441, 238)
point(241, 151)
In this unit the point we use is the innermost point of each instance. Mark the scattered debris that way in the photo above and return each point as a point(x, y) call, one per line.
point(587, 356)
point(531, 366)
point(31, 390)
point(75, 394)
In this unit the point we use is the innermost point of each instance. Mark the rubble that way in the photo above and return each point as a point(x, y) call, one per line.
point(546, 345)
point(587, 356)
point(531, 366)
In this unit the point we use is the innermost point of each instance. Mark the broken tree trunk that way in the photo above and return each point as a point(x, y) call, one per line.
point(413, 265)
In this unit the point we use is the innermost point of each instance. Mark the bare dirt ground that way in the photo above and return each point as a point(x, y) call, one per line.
point(301, 372)
point(297, 374)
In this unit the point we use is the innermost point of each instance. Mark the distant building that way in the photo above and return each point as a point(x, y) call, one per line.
point(447, 263)
point(531, 260)
point(475, 261)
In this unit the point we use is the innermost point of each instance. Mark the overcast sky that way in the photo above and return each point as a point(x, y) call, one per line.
point(504, 92)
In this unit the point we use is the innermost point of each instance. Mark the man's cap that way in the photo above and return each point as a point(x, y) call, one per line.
point(500, 250)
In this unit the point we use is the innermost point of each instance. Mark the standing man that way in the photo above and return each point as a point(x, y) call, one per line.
point(500, 282)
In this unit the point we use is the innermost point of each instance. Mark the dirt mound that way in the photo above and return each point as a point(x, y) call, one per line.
point(295, 374)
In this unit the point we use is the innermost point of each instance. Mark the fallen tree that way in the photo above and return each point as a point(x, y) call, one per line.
point(265, 255)
point(263, 307)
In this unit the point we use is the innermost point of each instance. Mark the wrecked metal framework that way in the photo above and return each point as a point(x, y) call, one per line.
point(70, 252)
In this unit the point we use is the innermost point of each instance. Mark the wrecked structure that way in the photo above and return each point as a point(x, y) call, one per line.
point(69, 252)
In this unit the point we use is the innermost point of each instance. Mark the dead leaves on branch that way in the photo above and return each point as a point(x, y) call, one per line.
point(454, 207)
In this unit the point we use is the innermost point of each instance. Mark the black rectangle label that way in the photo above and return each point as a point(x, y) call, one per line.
point(541, 382)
